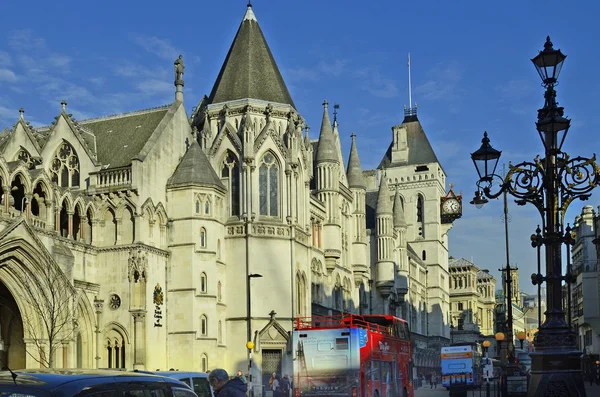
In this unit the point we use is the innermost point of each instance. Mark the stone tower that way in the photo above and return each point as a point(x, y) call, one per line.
point(384, 280)
point(327, 176)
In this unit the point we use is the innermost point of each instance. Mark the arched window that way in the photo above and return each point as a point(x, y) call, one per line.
point(219, 332)
point(219, 292)
point(197, 206)
point(230, 174)
point(65, 166)
point(204, 362)
point(268, 180)
point(203, 237)
point(420, 216)
point(115, 349)
point(203, 325)
point(203, 283)
point(25, 157)
point(207, 208)
point(219, 249)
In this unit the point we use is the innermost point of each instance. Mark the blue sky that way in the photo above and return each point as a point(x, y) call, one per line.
point(470, 67)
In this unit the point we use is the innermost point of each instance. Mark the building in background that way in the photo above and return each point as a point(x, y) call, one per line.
point(472, 301)
point(585, 295)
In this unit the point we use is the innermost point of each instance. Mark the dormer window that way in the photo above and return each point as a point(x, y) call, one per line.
point(25, 157)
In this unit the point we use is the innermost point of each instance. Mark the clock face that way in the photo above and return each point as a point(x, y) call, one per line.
point(451, 206)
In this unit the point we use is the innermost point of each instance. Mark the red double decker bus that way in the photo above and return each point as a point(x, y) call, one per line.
point(352, 356)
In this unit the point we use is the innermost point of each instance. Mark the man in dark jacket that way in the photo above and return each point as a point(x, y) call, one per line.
point(223, 387)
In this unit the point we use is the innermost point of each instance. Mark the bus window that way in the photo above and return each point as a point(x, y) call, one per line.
point(341, 343)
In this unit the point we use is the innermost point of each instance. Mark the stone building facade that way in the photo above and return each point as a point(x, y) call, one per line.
point(472, 298)
point(148, 231)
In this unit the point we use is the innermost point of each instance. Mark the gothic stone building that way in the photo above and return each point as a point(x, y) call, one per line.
point(138, 234)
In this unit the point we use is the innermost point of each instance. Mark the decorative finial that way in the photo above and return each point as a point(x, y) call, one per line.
point(187, 144)
point(353, 136)
point(335, 108)
point(325, 103)
point(21, 111)
point(63, 103)
point(451, 185)
point(272, 314)
point(250, 3)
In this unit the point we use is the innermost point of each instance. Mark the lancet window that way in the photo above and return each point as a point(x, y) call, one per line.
point(230, 175)
point(268, 176)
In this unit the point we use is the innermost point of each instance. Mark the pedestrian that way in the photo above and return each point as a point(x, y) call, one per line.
point(435, 381)
point(275, 385)
point(242, 377)
point(285, 386)
point(272, 379)
point(223, 387)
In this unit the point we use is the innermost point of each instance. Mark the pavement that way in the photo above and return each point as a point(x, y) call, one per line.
point(426, 391)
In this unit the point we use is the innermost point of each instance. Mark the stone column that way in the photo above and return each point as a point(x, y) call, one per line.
point(70, 225)
point(118, 225)
point(49, 213)
point(6, 197)
point(139, 353)
point(83, 229)
point(98, 304)
point(27, 209)
point(57, 219)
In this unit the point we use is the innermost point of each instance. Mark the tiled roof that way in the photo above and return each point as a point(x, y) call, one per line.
point(249, 70)
point(119, 138)
point(195, 169)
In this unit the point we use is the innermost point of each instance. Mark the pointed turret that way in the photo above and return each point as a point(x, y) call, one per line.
point(354, 171)
point(249, 70)
point(399, 221)
point(195, 169)
point(326, 150)
point(384, 204)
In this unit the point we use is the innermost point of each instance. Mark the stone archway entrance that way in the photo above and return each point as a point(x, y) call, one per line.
point(12, 347)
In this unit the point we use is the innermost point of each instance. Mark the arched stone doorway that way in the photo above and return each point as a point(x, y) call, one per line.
point(12, 347)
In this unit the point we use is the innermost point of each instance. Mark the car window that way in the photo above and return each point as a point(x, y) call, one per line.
point(201, 387)
point(179, 392)
point(185, 380)
point(149, 392)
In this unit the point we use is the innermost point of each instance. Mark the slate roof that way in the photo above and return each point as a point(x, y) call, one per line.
point(121, 137)
point(419, 148)
point(384, 203)
point(249, 70)
point(461, 262)
point(195, 169)
point(371, 208)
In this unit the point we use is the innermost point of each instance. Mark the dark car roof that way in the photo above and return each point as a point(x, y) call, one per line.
point(49, 379)
point(171, 374)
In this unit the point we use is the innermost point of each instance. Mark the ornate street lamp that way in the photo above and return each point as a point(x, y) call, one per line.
point(485, 344)
point(550, 183)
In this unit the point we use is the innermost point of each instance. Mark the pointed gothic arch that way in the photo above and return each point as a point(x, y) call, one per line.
point(420, 214)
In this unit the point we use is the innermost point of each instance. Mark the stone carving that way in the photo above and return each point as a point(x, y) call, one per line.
point(179, 68)
point(158, 301)
point(138, 263)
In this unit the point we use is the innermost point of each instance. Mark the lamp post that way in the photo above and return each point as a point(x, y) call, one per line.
point(550, 184)
point(249, 342)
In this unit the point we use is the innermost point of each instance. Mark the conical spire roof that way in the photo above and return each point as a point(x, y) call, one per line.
point(249, 70)
point(384, 204)
point(354, 171)
point(399, 220)
point(195, 169)
point(326, 150)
